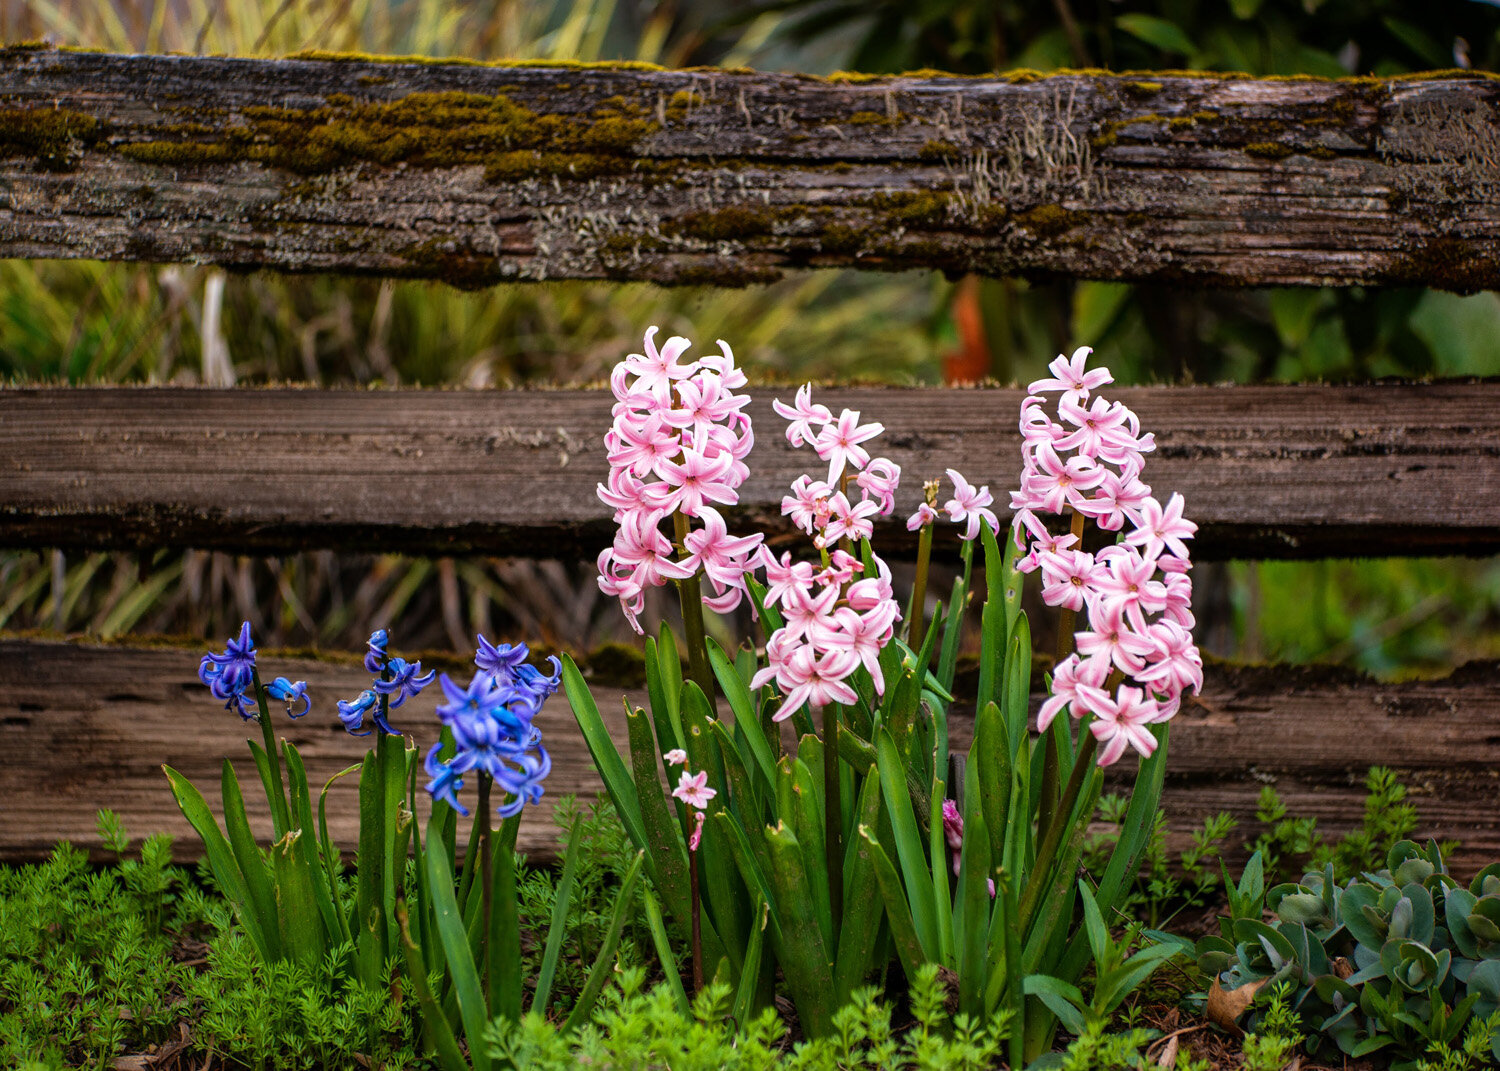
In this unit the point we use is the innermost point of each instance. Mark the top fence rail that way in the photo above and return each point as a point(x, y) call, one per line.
point(478, 174)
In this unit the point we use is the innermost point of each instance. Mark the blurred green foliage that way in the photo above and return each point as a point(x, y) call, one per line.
point(79, 322)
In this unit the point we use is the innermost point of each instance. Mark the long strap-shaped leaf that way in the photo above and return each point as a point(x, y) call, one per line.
point(450, 928)
point(606, 757)
point(260, 892)
point(594, 984)
point(909, 850)
point(897, 909)
point(804, 957)
point(307, 845)
point(742, 703)
point(220, 856)
point(863, 905)
point(439, 1033)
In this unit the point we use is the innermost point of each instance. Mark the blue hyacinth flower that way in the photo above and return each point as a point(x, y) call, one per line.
point(500, 660)
point(231, 674)
point(375, 654)
point(406, 681)
point(289, 693)
point(352, 712)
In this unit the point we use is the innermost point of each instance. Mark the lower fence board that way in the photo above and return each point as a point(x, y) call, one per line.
point(87, 726)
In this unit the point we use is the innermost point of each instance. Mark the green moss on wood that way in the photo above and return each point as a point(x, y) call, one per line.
point(734, 223)
point(938, 152)
point(1269, 150)
point(926, 209)
point(54, 137)
point(448, 129)
point(1050, 220)
point(1142, 89)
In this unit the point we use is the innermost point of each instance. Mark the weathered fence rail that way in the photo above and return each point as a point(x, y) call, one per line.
point(88, 727)
point(1274, 471)
point(477, 174)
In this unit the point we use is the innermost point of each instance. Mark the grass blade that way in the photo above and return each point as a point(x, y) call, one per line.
point(560, 904)
point(658, 927)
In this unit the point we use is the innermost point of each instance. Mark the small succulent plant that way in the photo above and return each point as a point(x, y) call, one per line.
point(1399, 960)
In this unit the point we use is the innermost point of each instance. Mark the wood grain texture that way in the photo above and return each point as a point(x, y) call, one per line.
point(478, 174)
point(1271, 471)
point(89, 726)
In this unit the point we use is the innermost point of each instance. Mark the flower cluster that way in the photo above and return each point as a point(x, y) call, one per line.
point(231, 675)
point(969, 506)
point(692, 789)
point(833, 622)
point(1136, 593)
point(491, 723)
point(398, 681)
point(677, 446)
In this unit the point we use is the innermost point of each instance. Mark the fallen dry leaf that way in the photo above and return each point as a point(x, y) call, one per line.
point(137, 1062)
point(1225, 1006)
point(1342, 968)
point(1168, 1057)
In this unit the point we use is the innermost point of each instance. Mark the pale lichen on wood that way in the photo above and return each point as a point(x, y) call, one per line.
point(476, 174)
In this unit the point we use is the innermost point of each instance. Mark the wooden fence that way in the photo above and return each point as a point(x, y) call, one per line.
point(475, 174)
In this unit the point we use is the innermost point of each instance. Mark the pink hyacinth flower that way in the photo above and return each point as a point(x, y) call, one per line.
point(693, 789)
point(968, 505)
point(816, 681)
point(925, 515)
point(1070, 678)
point(1162, 527)
point(656, 371)
point(675, 757)
point(1068, 375)
point(838, 443)
point(803, 415)
point(1122, 723)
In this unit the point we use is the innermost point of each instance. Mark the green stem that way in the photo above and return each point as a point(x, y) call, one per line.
point(833, 816)
point(1047, 811)
point(486, 877)
point(919, 590)
point(281, 812)
point(1046, 854)
point(690, 594)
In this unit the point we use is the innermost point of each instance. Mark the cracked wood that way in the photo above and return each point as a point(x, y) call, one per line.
point(479, 174)
point(89, 726)
point(1267, 471)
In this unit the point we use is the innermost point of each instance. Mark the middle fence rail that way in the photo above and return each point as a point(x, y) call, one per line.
point(1267, 471)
